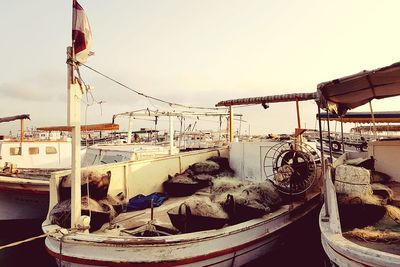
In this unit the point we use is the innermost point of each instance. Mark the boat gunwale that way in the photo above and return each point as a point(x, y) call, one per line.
point(343, 246)
point(301, 207)
point(305, 208)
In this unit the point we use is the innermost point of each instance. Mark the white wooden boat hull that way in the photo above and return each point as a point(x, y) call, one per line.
point(234, 245)
point(343, 252)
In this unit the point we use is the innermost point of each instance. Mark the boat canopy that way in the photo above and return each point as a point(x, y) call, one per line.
point(14, 118)
point(84, 128)
point(363, 117)
point(349, 92)
point(268, 99)
point(378, 128)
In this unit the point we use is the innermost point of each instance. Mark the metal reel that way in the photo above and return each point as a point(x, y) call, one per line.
point(291, 167)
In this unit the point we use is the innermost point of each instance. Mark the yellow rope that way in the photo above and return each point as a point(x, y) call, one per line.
point(71, 231)
point(24, 241)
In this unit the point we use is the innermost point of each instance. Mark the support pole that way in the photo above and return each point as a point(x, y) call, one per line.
point(298, 113)
point(230, 124)
point(130, 128)
point(373, 119)
point(329, 138)
point(74, 114)
point(171, 135)
point(322, 162)
point(341, 130)
point(22, 130)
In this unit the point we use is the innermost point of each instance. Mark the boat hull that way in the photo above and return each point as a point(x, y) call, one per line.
point(21, 201)
point(234, 245)
point(343, 252)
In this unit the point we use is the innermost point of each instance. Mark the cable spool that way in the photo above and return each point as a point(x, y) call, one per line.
point(291, 167)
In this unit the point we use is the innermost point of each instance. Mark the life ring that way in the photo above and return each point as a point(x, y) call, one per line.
point(335, 146)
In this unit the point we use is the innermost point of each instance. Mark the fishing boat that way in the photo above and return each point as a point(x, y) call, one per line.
point(359, 221)
point(359, 136)
point(154, 237)
point(277, 183)
point(26, 164)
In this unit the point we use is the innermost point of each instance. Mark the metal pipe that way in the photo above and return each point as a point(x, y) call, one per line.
point(298, 113)
point(329, 138)
point(230, 124)
point(341, 130)
point(22, 130)
point(171, 136)
point(373, 119)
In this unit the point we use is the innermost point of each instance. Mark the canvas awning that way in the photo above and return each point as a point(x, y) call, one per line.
point(87, 128)
point(363, 117)
point(268, 99)
point(349, 92)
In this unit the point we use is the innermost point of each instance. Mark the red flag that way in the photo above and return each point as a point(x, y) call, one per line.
point(81, 33)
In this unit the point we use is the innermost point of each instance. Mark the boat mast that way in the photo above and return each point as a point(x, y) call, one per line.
point(74, 114)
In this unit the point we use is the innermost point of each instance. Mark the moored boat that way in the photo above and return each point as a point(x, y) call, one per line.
point(151, 238)
point(212, 221)
point(359, 220)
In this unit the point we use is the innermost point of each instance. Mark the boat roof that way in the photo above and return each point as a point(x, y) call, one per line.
point(13, 118)
point(363, 117)
point(84, 128)
point(342, 94)
point(268, 99)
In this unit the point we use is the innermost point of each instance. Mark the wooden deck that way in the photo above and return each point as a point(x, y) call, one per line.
point(135, 219)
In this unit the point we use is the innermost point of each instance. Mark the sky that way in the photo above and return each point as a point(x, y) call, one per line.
point(195, 53)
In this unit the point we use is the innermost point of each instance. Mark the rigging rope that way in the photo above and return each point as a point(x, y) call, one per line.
point(148, 96)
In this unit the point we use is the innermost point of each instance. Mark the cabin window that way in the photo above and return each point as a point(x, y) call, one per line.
point(14, 151)
point(33, 150)
point(51, 150)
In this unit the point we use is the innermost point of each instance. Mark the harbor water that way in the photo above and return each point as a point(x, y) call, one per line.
point(300, 246)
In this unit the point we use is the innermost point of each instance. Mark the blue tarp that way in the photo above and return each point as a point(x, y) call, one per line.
point(140, 202)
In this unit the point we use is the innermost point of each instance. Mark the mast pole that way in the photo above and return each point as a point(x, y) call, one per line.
point(74, 115)
point(74, 97)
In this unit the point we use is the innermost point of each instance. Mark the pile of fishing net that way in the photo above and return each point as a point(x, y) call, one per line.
point(95, 201)
point(366, 207)
point(197, 176)
point(244, 200)
point(387, 229)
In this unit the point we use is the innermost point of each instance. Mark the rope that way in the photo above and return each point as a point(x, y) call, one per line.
point(147, 96)
point(24, 241)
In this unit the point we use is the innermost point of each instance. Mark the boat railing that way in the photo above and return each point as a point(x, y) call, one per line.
point(331, 205)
